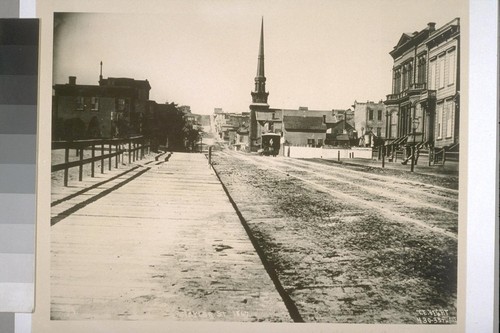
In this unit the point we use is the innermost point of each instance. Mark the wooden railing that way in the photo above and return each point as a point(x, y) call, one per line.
point(417, 86)
point(136, 147)
point(443, 155)
point(414, 87)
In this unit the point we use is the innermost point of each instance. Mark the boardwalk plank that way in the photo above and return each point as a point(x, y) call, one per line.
point(167, 245)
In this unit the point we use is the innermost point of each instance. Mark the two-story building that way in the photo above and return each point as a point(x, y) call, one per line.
point(423, 108)
point(369, 122)
point(114, 108)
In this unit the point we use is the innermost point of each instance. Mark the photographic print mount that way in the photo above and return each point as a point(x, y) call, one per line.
point(309, 206)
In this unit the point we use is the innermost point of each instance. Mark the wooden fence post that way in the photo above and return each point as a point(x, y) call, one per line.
point(66, 160)
point(136, 151)
point(383, 156)
point(117, 156)
point(210, 155)
point(102, 158)
point(80, 168)
point(109, 162)
point(129, 152)
point(92, 164)
point(142, 149)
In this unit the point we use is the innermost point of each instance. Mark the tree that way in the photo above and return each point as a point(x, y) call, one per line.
point(164, 126)
point(193, 135)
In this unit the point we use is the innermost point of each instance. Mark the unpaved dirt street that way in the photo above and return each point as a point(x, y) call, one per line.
point(351, 245)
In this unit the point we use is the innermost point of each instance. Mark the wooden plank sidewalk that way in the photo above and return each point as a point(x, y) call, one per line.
point(166, 245)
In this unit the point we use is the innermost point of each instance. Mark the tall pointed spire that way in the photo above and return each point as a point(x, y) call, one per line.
point(260, 64)
point(259, 95)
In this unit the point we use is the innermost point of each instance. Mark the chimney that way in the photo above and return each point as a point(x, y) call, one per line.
point(72, 80)
point(324, 119)
point(431, 26)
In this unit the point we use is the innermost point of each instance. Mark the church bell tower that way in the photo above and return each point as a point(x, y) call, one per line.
point(259, 96)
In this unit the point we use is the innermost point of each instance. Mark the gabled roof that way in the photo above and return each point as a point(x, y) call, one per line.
point(303, 124)
point(405, 37)
point(410, 39)
point(341, 125)
point(265, 116)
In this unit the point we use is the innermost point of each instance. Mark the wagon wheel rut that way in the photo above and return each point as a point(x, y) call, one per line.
point(393, 205)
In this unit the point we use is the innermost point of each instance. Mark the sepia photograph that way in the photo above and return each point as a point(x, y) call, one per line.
point(258, 162)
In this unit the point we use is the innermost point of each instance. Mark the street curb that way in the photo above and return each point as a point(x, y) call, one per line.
point(454, 174)
point(287, 300)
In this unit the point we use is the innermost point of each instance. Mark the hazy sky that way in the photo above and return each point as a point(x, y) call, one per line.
point(320, 54)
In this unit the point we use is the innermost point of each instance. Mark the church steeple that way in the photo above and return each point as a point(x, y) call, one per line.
point(259, 98)
point(260, 64)
point(259, 95)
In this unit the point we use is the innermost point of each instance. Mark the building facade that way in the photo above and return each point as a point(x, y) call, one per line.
point(369, 122)
point(228, 124)
point(114, 108)
point(304, 131)
point(423, 109)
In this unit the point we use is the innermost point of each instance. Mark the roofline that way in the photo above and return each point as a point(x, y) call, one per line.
point(443, 28)
point(135, 81)
point(398, 51)
point(306, 130)
point(432, 34)
point(309, 110)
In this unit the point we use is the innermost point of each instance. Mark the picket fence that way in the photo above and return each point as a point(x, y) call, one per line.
point(327, 153)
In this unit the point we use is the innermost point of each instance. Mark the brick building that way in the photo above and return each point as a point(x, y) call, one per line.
point(113, 108)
